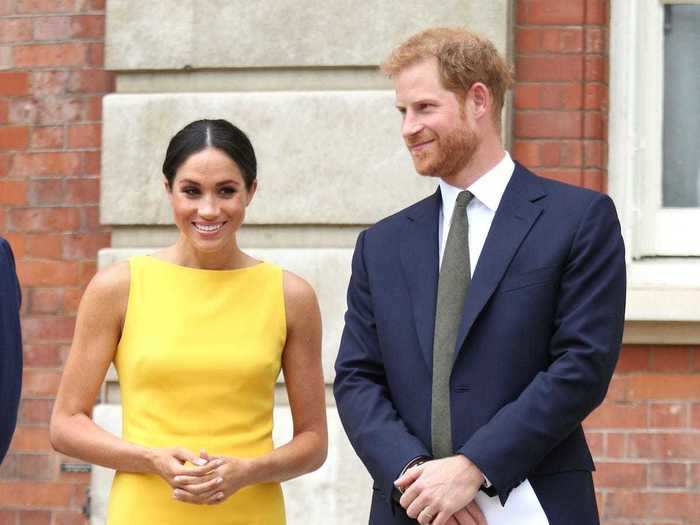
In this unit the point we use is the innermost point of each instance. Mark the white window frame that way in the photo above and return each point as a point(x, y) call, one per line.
point(663, 248)
point(636, 126)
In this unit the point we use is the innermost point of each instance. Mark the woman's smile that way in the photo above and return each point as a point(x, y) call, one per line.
point(208, 228)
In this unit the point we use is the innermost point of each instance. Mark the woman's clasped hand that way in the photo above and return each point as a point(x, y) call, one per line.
point(205, 480)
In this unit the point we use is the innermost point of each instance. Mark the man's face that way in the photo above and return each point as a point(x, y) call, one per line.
point(436, 126)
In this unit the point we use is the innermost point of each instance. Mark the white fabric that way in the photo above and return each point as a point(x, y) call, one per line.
point(522, 506)
point(487, 190)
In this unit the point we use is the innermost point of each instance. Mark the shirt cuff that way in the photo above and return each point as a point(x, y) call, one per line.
point(419, 460)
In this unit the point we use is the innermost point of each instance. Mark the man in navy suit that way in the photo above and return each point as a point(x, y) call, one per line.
point(485, 321)
point(10, 346)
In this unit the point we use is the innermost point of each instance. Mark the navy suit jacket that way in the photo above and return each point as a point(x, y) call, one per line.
point(538, 343)
point(10, 346)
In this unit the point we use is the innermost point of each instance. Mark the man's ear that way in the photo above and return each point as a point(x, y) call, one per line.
point(481, 100)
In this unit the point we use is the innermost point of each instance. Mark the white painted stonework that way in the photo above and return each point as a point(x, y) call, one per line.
point(324, 157)
point(338, 493)
point(177, 34)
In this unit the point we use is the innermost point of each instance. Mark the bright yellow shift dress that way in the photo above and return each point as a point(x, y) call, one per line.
point(198, 360)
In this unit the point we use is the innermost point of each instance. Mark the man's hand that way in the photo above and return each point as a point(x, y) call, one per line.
point(441, 490)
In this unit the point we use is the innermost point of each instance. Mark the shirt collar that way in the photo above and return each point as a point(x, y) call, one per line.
point(488, 189)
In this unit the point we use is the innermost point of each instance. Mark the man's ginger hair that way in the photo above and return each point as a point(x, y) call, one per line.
point(463, 58)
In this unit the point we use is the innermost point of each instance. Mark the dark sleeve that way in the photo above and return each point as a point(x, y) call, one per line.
point(10, 346)
point(583, 350)
point(374, 428)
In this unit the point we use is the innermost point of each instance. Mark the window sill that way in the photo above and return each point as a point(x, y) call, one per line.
point(663, 301)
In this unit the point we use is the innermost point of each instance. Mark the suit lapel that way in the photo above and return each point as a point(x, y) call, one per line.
point(516, 214)
point(419, 259)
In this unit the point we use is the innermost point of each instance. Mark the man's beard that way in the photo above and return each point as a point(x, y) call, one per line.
point(453, 153)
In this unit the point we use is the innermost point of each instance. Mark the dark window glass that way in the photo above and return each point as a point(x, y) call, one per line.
point(681, 133)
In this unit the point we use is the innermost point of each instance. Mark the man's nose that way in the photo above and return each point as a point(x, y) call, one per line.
point(410, 126)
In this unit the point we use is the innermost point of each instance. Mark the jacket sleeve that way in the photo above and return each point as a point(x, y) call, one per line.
point(10, 347)
point(583, 351)
point(379, 436)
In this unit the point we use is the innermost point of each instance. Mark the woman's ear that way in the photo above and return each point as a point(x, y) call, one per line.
point(251, 191)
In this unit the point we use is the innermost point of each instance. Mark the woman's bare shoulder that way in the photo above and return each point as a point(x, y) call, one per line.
point(110, 285)
point(297, 291)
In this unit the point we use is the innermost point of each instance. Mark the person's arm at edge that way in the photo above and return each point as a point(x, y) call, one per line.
point(10, 348)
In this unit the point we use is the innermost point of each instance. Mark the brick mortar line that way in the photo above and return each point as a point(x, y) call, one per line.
point(653, 431)
point(561, 53)
point(51, 42)
point(582, 24)
point(552, 110)
point(539, 82)
point(66, 14)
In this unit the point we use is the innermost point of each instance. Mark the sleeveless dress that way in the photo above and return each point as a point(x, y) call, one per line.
point(198, 359)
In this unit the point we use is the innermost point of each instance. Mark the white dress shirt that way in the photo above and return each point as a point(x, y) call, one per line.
point(487, 190)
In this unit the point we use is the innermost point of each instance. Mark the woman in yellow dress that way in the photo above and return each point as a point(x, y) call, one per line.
point(198, 333)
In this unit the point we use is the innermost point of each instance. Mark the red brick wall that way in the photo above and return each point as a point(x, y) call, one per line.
point(51, 85)
point(560, 96)
point(646, 435)
point(646, 438)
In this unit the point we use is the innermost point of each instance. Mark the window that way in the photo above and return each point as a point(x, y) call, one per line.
point(654, 163)
point(655, 124)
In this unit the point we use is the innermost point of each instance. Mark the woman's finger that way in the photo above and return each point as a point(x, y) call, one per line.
point(205, 498)
point(185, 470)
point(203, 488)
point(183, 455)
point(183, 480)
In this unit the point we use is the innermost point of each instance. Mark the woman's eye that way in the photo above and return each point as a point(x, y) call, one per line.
point(228, 191)
point(190, 191)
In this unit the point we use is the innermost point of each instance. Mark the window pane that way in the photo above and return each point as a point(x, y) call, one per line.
point(681, 179)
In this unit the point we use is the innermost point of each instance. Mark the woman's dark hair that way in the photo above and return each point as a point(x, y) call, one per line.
point(219, 134)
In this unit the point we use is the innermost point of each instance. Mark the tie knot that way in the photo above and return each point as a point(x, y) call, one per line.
point(463, 198)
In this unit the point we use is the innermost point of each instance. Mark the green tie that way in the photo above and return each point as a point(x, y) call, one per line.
point(453, 284)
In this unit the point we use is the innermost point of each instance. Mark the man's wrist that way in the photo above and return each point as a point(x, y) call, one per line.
point(415, 462)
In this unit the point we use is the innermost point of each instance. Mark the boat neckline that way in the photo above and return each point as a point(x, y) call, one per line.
point(204, 270)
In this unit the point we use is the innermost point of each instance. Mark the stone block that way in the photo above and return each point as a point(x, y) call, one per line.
point(185, 34)
point(326, 269)
point(339, 492)
point(331, 157)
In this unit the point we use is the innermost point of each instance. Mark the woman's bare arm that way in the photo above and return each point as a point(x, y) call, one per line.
point(97, 332)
